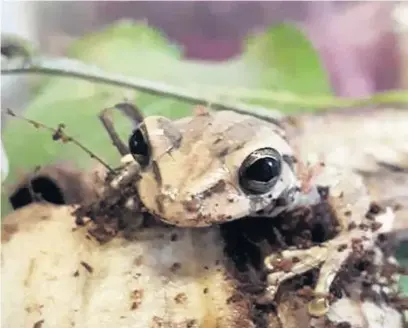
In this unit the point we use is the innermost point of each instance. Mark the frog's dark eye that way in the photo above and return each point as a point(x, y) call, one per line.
point(260, 170)
point(138, 147)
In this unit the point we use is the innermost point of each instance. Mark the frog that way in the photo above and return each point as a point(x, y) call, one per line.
point(215, 167)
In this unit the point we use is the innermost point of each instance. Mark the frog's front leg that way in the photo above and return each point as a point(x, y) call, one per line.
point(118, 196)
point(125, 178)
point(350, 204)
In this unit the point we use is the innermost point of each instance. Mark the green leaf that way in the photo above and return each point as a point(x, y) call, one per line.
point(281, 58)
point(285, 60)
point(129, 48)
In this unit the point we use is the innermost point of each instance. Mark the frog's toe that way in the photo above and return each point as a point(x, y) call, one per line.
point(339, 250)
point(291, 263)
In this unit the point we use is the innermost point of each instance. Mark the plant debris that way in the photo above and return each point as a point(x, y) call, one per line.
point(59, 134)
point(109, 213)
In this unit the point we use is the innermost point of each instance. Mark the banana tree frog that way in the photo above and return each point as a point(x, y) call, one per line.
point(216, 167)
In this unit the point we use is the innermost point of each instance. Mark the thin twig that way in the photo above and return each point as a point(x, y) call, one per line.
point(65, 67)
point(59, 134)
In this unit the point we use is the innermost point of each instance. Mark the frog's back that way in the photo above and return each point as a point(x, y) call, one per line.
point(223, 131)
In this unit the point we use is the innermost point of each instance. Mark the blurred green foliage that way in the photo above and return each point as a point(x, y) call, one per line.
point(279, 59)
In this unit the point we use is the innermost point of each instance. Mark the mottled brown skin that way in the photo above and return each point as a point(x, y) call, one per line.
point(191, 179)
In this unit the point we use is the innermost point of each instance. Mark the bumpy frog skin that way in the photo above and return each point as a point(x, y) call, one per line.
point(193, 177)
point(194, 172)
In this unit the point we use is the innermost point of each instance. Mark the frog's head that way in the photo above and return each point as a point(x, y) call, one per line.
point(212, 168)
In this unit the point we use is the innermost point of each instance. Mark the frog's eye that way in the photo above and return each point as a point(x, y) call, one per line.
point(260, 171)
point(139, 147)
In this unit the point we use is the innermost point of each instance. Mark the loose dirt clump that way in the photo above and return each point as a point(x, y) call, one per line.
point(109, 213)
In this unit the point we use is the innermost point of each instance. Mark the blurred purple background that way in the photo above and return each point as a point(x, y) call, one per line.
point(356, 40)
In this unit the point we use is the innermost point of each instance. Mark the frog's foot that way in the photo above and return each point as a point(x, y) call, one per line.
point(330, 256)
point(291, 263)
